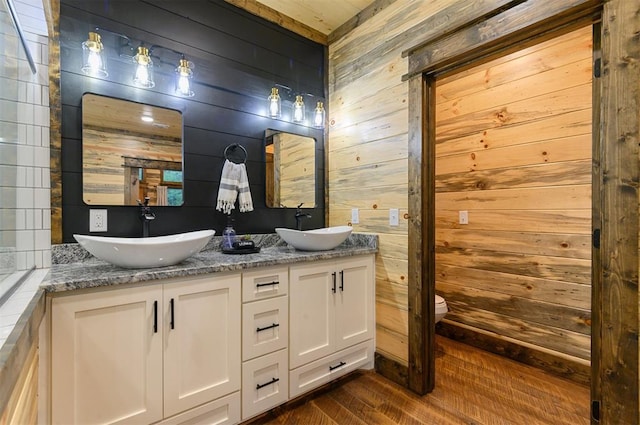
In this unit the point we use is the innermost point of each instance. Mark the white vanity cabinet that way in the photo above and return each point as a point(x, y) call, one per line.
point(145, 353)
point(332, 323)
point(265, 338)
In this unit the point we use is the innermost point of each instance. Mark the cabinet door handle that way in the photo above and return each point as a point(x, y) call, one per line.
point(275, 325)
point(273, 381)
point(260, 285)
point(155, 317)
point(339, 365)
point(333, 288)
point(342, 280)
point(172, 322)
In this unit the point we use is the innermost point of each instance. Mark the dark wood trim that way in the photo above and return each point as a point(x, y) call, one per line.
point(52, 7)
point(421, 242)
point(256, 8)
point(392, 370)
point(596, 218)
point(455, 16)
point(369, 12)
point(525, 21)
point(619, 135)
point(559, 366)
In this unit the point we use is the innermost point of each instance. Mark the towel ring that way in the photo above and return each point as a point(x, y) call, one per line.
point(229, 150)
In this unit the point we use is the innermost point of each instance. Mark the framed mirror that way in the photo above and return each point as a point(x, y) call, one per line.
point(130, 151)
point(290, 170)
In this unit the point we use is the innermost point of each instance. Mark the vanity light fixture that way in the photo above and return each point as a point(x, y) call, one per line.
point(93, 62)
point(298, 109)
point(184, 74)
point(318, 116)
point(144, 68)
point(274, 103)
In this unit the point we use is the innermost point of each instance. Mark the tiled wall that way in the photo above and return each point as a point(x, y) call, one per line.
point(25, 224)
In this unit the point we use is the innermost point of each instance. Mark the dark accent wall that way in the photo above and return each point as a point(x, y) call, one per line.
point(238, 58)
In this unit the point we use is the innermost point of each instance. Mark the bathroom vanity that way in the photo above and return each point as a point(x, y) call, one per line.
point(215, 339)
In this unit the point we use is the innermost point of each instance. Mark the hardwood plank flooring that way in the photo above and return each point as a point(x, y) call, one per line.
point(472, 387)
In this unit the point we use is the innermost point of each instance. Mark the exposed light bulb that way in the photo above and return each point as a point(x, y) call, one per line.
point(298, 109)
point(318, 116)
point(274, 103)
point(184, 73)
point(143, 76)
point(93, 63)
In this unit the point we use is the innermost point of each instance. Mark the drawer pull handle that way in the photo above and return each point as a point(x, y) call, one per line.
point(333, 288)
point(275, 325)
point(339, 365)
point(342, 280)
point(260, 285)
point(273, 381)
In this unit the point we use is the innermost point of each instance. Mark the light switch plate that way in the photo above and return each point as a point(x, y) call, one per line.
point(463, 217)
point(355, 216)
point(394, 216)
point(97, 220)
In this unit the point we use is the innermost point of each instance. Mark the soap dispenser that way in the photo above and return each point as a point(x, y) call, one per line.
point(228, 236)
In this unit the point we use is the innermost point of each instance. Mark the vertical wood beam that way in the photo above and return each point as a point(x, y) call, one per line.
point(52, 8)
point(596, 218)
point(421, 247)
point(620, 135)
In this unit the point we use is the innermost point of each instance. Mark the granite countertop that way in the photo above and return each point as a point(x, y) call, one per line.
point(74, 269)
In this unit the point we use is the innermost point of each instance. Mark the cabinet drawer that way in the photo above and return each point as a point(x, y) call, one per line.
point(312, 375)
point(223, 411)
point(264, 283)
point(265, 383)
point(265, 327)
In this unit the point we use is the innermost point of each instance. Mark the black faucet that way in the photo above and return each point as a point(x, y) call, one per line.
point(146, 216)
point(299, 216)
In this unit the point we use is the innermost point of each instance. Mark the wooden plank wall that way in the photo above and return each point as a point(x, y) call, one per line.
point(368, 152)
point(513, 148)
point(368, 156)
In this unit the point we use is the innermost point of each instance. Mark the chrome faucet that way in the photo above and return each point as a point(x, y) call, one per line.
point(299, 216)
point(146, 216)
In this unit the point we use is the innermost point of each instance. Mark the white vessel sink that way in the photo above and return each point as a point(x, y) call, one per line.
point(138, 253)
point(315, 240)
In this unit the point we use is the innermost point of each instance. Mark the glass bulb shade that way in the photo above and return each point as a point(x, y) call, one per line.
point(298, 109)
point(274, 103)
point(318, 116)
point(144, 68)
point(92, 56)
point(184, 74)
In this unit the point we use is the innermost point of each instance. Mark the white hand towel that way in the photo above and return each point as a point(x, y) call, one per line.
point(234, 180)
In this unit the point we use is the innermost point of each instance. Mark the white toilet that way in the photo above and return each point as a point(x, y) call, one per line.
point(441, 308)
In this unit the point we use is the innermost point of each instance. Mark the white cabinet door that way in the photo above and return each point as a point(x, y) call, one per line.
point(202, 341)
point(311, 319)
point(354, 301)
point(106, 353)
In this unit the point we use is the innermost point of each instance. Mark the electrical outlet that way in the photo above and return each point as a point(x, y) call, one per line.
point(355, 216)
point(97, 220)
point(393, 217)
point(463, 217)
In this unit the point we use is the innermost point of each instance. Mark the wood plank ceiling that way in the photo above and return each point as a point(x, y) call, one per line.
point(313, 19)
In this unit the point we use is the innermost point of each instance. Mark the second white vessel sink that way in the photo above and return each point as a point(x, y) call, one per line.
point(315, 240)
point(140, 253)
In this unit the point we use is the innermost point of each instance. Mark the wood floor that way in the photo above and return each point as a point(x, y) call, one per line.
point(472, 387)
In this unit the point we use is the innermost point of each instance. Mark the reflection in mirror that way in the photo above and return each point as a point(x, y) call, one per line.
point(130, 151)
point(290, 170)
